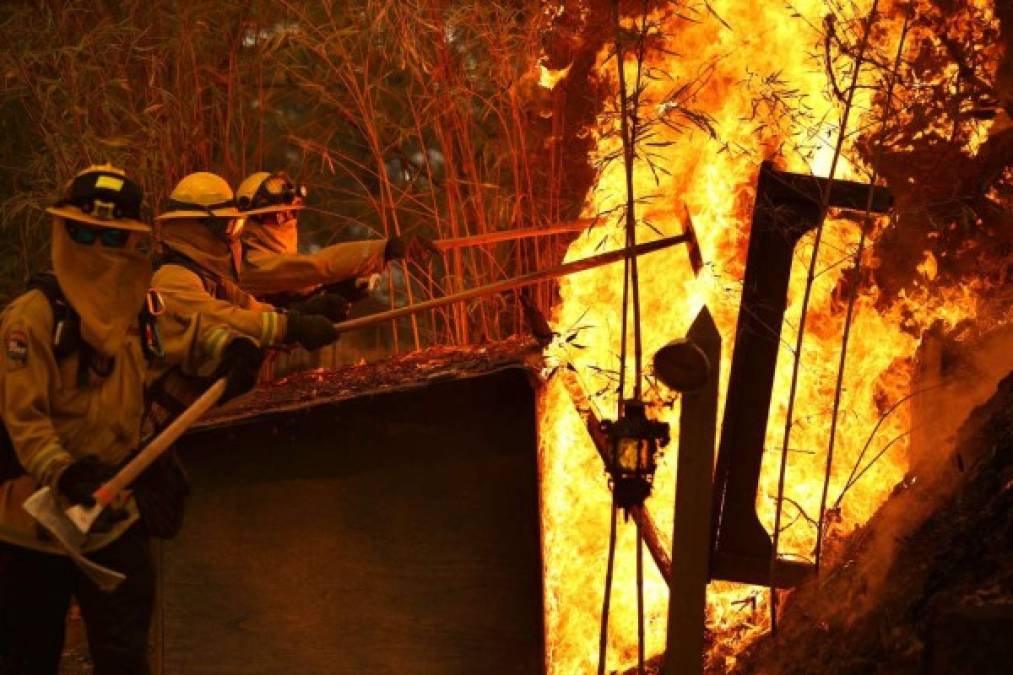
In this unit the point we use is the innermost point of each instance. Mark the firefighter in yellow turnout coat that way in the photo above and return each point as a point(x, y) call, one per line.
point(198, 271)
point(326, 281)
point(272, 263)
point(76, 350)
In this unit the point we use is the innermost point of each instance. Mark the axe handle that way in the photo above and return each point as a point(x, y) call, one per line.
point(511, 284)
point(512, 235)
point(160, 444)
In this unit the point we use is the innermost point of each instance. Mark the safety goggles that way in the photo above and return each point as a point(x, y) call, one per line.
point(227, 229)
point(276, 190)
point(110, 237)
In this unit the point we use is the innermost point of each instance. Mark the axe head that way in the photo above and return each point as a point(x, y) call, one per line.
point(43, 506)
point(692, 243)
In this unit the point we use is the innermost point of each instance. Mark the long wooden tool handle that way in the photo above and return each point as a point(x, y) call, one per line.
point(511, 284)
point(160, 444)
point(512, 235)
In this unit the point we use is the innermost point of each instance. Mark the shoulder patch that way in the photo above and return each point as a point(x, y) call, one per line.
point(16, 344)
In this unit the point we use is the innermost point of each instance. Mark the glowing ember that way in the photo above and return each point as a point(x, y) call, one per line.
point(766, 96)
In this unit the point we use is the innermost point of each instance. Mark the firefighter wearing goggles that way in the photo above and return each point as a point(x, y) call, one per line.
point(272, 264)
point(77, 348)
point(198, 271)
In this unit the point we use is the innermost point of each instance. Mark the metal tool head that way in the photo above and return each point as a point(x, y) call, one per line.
point(43, 506)
point(692, 243)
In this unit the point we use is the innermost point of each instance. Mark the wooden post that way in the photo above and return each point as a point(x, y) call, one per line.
point(691, 536)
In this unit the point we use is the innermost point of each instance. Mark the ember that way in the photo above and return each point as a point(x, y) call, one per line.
point(402, 372)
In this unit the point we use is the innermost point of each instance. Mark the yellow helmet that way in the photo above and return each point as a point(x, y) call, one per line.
point(265, 192)
point(200, 195)
point(102, 195)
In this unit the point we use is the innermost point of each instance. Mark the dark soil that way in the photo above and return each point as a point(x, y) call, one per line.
point(927, 585)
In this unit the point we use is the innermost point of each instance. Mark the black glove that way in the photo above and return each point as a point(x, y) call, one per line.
point(79, 481)
point(331, 305)
point(240, 365)
point(350, 289)
point(411, 247)
point(311, 331)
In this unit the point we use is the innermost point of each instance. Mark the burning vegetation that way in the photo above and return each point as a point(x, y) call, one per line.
point(454, 118)
point(908, 93)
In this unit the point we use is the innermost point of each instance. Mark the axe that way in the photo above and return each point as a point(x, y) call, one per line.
point(70, 527)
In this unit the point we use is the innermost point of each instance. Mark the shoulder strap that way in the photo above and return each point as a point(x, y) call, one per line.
point(66, 323)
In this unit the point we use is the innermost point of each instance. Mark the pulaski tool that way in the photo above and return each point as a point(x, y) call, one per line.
point(444, 245)
point(788, 205)
point(688, 238)
point(70, 527)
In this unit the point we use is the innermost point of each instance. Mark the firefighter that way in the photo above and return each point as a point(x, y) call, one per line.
point(199, 268)
point(272, 265)
point(328, 281)
point(76, 349)
point(198, 271)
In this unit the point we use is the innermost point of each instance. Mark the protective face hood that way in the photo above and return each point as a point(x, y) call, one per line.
point(269, 238)
point(202, 246)
point(105, 286)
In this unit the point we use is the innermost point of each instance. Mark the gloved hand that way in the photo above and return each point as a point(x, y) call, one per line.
point(311, 331)
point(331, 305)
point(355, 289)
point(411, 247)
point(80, 480)
point(240, 365)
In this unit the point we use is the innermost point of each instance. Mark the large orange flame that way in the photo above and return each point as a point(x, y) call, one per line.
point(757, 75)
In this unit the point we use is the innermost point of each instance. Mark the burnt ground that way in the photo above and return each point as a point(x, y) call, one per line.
point(927, 585)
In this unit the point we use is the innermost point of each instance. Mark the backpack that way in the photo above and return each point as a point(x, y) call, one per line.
point(66, 341)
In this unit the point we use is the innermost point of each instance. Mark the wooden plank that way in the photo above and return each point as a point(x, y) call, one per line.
point(691, 535)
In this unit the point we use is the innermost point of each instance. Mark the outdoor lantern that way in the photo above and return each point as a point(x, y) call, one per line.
point(633, 447)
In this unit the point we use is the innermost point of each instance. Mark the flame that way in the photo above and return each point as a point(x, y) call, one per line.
point(755, 73)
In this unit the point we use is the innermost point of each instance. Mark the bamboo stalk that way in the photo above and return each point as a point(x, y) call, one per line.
point(824, 208)
point(853, 295)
